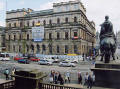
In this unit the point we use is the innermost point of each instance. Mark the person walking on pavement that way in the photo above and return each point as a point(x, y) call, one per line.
point(60, 78)
point(12, 73)
point(83, 56)
point(90, 81)
point(86, 78)
point(67, 76)
point(51, 76)
point(6, 74)
point(79, 78)
point(56, 78)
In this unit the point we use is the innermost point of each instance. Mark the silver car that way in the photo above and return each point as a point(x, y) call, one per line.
point(44, 62)
point(67, 64)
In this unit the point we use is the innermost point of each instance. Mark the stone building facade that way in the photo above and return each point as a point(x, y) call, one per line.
point(66, 30)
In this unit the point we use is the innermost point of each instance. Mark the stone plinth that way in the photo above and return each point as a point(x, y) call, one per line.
point(28, 79)
point(107, 75)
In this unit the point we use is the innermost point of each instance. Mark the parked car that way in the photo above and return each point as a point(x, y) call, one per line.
point(67, 64)
point(75, 61)
point(25, 61)
point(44, 62)
point(34, 59)
point(56, 60)
point(17, 58)
point(49, 59)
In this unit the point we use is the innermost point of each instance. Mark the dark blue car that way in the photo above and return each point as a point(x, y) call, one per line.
point(25, 61)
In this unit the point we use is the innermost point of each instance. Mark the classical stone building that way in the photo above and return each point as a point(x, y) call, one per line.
point(66, 30)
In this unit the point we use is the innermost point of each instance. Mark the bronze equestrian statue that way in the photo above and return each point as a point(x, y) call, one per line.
point(107, 41)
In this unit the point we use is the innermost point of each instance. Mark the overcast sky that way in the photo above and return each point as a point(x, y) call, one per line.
point(96, 9)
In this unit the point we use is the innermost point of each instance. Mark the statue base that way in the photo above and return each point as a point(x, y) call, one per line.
point(107, 75)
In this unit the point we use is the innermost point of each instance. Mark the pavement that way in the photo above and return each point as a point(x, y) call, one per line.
point(4, 81)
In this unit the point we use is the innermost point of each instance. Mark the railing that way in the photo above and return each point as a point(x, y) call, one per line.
point(8, 85)
point(54, 86)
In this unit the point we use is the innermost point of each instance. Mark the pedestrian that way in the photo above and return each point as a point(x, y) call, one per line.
point(93, 77)
point(56, 78)
point(67, 76)
point(6, 74)
point(12, 73)
point(60, 78)
point(90, 81)
point(51, 76)
point(79, 78)
point(86, 78)
point(83, 56)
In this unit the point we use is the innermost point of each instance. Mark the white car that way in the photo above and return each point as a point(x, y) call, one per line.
point(67, 64)
point(56, 60)
point(44, 62)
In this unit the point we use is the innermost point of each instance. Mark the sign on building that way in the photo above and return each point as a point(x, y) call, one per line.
point(38, 33)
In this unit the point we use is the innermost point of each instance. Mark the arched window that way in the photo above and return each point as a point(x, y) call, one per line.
point(66, 20)
point(27, 47)
point(33, 23)
point(44, 22)
point(58, 21)
point(75, 19)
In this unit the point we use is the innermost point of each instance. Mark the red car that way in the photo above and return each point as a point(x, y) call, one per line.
point(34, 59)
point(17, 58)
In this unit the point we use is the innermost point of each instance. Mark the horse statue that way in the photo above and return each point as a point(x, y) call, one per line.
point(107, 41)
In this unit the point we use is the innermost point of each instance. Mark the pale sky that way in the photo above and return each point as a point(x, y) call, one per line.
point(96, 9)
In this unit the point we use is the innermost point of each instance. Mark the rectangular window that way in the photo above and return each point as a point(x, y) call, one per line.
point(66, 49)
point(15, 25)
point(75, 34)
point(66, 35)
point(14, 37)
point(75, 49)
point(50, 36)
point(9, 37)
point(58, 49)
point(58, 35)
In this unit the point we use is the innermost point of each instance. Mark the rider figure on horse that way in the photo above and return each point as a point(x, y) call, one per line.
point(107, 29)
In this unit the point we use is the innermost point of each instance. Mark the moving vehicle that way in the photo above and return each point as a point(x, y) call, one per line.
point(25, 61)
point(4, 57)
point(44, 62)
point(67, 64)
